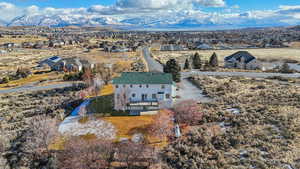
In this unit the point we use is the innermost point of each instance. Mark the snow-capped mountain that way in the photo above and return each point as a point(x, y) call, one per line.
point(161, 21)
point(62, 20)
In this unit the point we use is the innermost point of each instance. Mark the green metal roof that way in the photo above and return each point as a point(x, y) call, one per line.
point(144, 78)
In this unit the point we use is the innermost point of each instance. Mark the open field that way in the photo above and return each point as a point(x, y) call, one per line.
point(29, 58)
point(276, 54)
point(19, 40)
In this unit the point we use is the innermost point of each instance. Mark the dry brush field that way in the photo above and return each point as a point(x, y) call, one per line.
point(265, 134)
point(17, 109)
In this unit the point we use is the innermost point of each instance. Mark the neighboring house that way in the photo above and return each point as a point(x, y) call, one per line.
point(171, 47)
point(143, 91)
point(70, 64)
point(241, 60)
point(51, 62)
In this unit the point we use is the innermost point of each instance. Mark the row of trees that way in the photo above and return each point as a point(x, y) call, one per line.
point(196, 62)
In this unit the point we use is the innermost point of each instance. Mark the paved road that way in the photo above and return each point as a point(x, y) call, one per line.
point(33, 87)
point(153, 65)
point(243, 74)
point(187, 91)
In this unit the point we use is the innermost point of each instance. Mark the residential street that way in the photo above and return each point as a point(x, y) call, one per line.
point(187, 91)
point(34, 87)
point(153, 65)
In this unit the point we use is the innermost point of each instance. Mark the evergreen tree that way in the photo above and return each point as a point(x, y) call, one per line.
point(173, 67)
point(197, 61)
point(285, 68)
point(186, 64)
point(213, 61)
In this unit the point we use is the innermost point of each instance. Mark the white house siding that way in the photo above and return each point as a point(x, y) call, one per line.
point(134, 93)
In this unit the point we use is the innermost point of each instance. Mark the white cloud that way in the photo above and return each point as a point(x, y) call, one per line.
point(288, 7)
point(211, 3)
point(8, 11)
point(235, 7)
point(168, 4)
point(157, 13)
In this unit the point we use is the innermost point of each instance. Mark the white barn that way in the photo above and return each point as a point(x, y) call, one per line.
point(144, 91)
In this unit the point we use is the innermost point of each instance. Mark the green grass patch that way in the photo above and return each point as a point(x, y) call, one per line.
point(101, 105)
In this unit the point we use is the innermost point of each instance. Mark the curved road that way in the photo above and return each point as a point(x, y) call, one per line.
point(32, 87)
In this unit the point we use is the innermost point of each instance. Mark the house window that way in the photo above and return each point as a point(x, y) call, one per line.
point(141, 86)
point(131, 86)
point(144, 97)
point(153, 96)
point(117, 86)
point(168, 96)
point(133, 94)
point(163, 86)
point(147, 86)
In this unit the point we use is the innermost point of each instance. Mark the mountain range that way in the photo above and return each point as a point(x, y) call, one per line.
point(137, 22)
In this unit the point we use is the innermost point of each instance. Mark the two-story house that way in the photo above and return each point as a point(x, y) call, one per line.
point(144, 91)
point(241, 60)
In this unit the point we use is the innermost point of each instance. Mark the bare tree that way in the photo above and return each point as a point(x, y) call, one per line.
point(97, 85)
point(42, 132)
point(104, 72)
point(88, 77)
point(134, 154)
point(187, 112)
point(83, 154)
point(122, 98)
point(163, 124)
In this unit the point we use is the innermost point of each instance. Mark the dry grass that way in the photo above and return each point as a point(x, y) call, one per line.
point(109, 57)
point(130, 125)
point(31, 79)
point(107, 90)
point(19, 40)
point(83, 120)
point(277, 54)
point(58, 143)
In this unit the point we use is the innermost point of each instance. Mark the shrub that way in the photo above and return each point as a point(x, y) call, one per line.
point(5, 80)
point(23, 73)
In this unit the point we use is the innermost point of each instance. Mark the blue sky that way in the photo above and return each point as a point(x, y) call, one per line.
point(150, 13)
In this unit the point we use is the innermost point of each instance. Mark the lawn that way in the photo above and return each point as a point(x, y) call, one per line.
point(130, 125)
